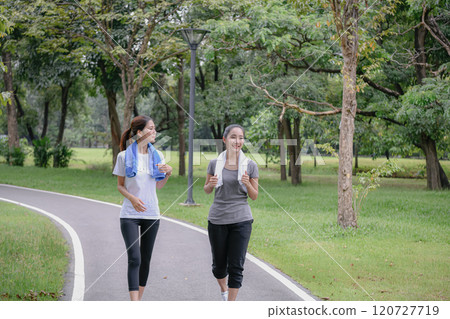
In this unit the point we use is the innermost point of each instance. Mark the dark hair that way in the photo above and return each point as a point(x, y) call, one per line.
point(230, 127)
point(138, 123)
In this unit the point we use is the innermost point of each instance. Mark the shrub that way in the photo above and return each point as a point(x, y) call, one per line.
point(4, 146)
point(61, 155)
point(16, 156)
point(369, 181)
point(42, 152)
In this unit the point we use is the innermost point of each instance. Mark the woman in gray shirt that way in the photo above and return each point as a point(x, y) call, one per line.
point(234, 178)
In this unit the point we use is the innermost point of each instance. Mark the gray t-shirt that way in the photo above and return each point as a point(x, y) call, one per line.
point(230, 204)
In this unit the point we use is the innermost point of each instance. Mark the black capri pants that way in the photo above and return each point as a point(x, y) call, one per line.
point(139, 256)
point(228, 247)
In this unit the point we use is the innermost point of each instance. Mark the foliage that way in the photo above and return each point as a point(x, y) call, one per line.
point(41, 152)
point(5, 28)
point(426, 109)
point(326, 147)
point(61, 155)
point(3, 146)
point(377, 138)
point(16, 155)
point(369, 181)
point(262, 130)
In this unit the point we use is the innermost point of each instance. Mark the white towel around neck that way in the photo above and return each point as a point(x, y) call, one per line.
point(220, 164)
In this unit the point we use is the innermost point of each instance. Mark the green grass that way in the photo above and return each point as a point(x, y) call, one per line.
point(399, 252)
point(33, 255)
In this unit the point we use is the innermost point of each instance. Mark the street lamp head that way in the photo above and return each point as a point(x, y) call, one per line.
point(193, 36)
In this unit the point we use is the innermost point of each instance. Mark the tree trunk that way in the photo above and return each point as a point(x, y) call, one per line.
point(216, 68)
point(292, 152)
point(181, 120)
point(298, 149)
point(433, 173)
point(21, 114)
point(436, 178)
point(135, 109)
point(11, 109)
point(315, 153)
point(356, 157)
point(444, 180)
point(282, 151)
point(45, 124)
point(421, 58)
point(128, 110)
point(349, 44)
point(218, 133)
point(114, 122)
point(64, 108)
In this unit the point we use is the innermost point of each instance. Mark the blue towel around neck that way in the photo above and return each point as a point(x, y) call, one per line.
point(131, 159)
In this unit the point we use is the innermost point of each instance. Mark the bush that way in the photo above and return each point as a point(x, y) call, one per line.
point(16, 156)
point(42, 152)
point(4, 146)
point(61, 155)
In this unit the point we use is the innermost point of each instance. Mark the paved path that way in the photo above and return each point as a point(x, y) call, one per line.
point(180, 266)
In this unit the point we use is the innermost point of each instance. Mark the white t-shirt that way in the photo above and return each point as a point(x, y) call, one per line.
point(143, 186)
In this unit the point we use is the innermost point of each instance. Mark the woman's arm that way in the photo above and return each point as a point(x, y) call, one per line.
point(252, 186)
point(138, 204)
point(210, 184)
point(164, 168)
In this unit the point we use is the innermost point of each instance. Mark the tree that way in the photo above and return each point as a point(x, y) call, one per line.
point(11, 109)
point(4, 29)
point(426, 109)
point(411, 48)
point(6, 48)
point(346, 16)
point(109, 78)
point(136, 36)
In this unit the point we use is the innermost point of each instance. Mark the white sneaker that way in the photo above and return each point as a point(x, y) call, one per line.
point(224, 295)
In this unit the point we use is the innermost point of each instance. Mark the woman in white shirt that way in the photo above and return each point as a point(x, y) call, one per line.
point(140, 170)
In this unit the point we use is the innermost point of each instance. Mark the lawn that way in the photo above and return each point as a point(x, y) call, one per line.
point(399, 252)
point(33, 255)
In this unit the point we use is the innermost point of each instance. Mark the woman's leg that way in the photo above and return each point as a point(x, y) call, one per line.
point(141, 292)
point(130, 233)
point(149, 230)
point(238, 239)
point(217, 235)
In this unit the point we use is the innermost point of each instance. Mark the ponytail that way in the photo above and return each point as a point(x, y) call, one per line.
point(123, 141)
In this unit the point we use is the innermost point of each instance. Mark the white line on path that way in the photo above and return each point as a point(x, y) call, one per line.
point(78, 282)
point(286, 282)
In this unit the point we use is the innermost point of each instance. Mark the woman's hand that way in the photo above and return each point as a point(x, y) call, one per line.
point(251, 184)
point(245, 179)
point(210, 183)
point(213, 181)
point(138, 204)
point(164, 168)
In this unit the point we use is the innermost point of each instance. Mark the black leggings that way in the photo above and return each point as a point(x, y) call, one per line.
point(228, 247)
point(138, 256)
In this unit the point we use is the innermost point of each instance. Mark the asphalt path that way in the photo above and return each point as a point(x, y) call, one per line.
point(180, 269)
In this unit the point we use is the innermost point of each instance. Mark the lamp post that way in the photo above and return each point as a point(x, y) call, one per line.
point(193, 37)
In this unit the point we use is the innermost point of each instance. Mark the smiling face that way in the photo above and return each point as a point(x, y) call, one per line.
point(148, 134)
point(234, 140)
